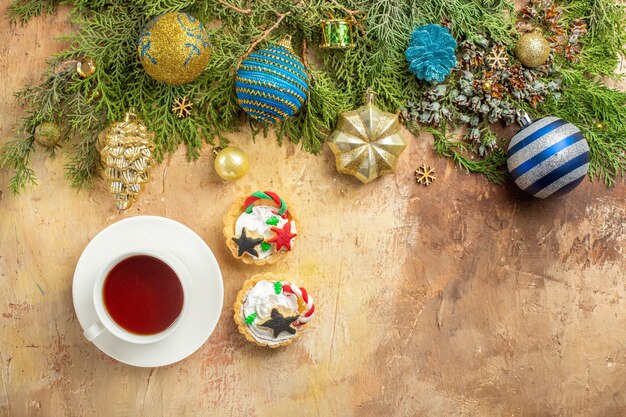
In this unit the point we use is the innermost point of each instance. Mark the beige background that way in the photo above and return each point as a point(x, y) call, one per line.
point(462, 299)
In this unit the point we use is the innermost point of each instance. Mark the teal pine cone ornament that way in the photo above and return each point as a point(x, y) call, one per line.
point(431, 53)
point(272, 83)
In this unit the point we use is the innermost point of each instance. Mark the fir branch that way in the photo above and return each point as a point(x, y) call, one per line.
point(492, 166)
point(235, 8)
point(606, 41)
point(24, 10)
point(16, 156)
point(600, 113)
point(107, 32)
point(83, 161)
point(261, 38)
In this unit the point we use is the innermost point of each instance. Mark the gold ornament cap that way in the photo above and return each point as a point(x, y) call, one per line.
point(286, 43)
point(370, 96)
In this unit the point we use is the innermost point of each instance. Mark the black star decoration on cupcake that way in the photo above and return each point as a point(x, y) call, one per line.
point(279, 323)
point(246, 244)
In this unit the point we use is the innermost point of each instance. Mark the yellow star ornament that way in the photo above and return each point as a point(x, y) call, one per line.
point(367, 141)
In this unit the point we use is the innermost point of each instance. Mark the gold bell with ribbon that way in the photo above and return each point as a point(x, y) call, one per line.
point(337, 33)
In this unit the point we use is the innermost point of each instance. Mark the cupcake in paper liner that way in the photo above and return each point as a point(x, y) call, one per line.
point(260, 228)
point(271, 312)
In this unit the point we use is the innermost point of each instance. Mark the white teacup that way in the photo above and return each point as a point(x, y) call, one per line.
point(106, 324)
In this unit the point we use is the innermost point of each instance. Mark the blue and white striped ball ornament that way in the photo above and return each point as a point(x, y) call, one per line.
point(272, 84)
point(549, 157)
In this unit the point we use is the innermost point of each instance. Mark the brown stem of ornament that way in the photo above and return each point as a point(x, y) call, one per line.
point(304, 60)
point(345, 9)
point(235, 8)
point(263, 36)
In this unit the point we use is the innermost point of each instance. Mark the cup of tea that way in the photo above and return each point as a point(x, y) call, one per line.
point(140, 297)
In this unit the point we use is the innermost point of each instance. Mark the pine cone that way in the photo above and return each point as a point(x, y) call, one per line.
point(431, 53)
point(127, 155)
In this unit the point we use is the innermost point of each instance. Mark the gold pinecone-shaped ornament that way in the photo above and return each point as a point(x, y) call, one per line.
point(127, 154)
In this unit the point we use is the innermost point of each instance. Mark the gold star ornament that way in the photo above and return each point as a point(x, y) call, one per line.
point(367, 141)
point(498, 58)
point(425, 175)
point(182, 107)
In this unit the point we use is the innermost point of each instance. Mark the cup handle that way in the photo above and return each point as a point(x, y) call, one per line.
point(93, 331)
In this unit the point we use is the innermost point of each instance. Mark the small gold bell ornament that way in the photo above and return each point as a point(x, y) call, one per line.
point(127, 153)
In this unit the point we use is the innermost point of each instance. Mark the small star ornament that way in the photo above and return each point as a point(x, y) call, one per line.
point(246, 244)
point(425, 175)
point(498, 58)
point(182, 107)
point(279, 323)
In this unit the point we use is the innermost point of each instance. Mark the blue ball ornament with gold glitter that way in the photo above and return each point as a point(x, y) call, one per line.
point(272, 83)
point(174, 48)
point(549, 157)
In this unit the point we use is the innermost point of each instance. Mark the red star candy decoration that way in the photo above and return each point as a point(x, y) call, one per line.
point(283, 236)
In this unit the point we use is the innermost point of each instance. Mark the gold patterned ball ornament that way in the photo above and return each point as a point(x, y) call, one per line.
point(174, 48)
point(231, 163)
point(47, 134)
point(127, 154)
point(367, 141)
point(532, 49)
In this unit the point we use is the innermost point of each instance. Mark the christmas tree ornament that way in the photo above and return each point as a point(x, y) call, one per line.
point(174, 48)
point(231, 163)
point(532, 49)
point(127, 154)
point(425, 175)
point(272, 83)
point(182, 107)
point(498, 58)
point(367, 141)
point(85, 67)
point(47, 134)
point(260, 229)
point(271, 312)
point(549, 157)
point(431, 53)
point(339, 33)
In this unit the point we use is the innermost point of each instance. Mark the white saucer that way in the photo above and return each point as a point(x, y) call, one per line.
point(207, 295)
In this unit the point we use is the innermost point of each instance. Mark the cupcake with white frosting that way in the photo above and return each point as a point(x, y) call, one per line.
point(260, 228)
point(271, 312)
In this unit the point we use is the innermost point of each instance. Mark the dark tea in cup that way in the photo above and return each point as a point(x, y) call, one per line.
point(143, 295)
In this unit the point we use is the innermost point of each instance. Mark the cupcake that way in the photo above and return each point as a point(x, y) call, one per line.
point(260, 228)
point(271, 312)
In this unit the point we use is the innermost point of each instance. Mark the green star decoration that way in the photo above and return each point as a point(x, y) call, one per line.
point(278, 287)
point(273, 221)
point(279, 323)
point(250, 319)
point(265, 246)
